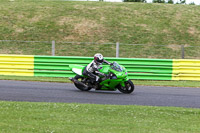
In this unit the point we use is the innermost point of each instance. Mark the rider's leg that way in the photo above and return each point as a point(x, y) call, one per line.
point(91, 75)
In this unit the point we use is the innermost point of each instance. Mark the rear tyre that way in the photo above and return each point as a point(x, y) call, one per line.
point(79, 86)
point(129, 87)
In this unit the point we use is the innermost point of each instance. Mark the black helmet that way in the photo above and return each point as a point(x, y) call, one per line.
point(98, 58)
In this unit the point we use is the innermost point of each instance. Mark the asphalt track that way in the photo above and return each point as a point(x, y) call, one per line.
point(66, 92)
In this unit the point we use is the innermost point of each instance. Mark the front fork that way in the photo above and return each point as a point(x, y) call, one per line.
point(123, 81)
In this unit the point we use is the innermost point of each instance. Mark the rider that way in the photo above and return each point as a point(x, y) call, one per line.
point(91, 69)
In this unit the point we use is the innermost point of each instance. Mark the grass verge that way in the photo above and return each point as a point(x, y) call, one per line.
point(164, 27)
point(136, 82)
point(23, 117)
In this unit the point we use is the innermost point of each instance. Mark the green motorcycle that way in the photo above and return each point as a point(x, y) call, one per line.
point(116, 79)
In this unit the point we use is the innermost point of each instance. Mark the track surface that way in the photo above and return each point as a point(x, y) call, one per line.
point(65, 92)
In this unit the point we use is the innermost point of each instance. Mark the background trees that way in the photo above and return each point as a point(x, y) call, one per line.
point(135, 1)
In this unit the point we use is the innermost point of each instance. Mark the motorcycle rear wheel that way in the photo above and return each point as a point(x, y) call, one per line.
point(79, 86)
point(129, 87)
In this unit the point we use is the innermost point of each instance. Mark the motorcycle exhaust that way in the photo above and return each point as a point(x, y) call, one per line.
point(77, 82)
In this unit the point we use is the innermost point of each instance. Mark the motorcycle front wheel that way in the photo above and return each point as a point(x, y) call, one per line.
point(79, 86)
point(129, 87)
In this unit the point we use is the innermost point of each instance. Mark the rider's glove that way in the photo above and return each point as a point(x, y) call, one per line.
point(106, 75)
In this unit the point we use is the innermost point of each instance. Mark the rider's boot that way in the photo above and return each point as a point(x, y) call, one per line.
point(97, 84)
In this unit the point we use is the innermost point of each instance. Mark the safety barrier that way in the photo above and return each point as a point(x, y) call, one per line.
point(19, 65)
point(58, 66)
point(185, 69)
point(138, 68)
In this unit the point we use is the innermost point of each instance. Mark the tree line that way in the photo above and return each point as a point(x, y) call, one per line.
point(161, 1)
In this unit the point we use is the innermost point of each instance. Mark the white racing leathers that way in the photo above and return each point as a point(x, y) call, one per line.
point(91, 70)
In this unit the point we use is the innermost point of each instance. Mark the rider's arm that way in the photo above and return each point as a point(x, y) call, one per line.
point(96, 70)
point(107, 62)
point(99, 73)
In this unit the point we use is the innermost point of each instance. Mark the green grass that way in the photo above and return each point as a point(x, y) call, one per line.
point(195, 84)
point(101, 22)
point(23, 117)
point(136, 82)
point(42, 79)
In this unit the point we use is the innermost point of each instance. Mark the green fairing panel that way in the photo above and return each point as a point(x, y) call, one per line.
point(105, 69)
point(110, 83)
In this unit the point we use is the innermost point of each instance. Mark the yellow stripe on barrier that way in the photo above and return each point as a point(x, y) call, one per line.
point(184, 69)
point(16, 58)
point(16, 65)
point(195, 77)
point(19, 65)
point(16, 72)
point(175, 71)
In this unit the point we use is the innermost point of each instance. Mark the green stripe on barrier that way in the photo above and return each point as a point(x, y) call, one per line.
point(138, 68)
point(44, 73)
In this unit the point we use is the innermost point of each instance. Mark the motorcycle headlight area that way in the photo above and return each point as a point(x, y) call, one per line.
point(112, 76)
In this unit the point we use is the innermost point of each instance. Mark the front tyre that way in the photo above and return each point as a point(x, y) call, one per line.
point(129, 87)
point(79, 86)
